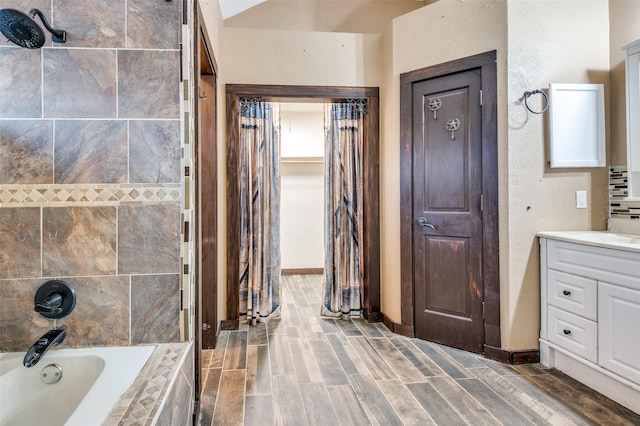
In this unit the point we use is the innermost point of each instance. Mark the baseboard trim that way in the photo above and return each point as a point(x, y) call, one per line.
point(302, 271)
point(526, 356)
point(403, 330)
point(229, 325)
point(373, 316)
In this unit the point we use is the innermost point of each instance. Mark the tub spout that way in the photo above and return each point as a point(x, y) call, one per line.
point(50, 339)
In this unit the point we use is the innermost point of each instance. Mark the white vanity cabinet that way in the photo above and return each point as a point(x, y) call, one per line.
point(590, 315)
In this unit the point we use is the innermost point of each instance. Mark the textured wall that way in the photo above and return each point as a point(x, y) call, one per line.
point(90, 173)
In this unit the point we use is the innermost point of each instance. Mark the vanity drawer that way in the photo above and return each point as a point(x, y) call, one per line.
point(574, 333)
point(572, 293)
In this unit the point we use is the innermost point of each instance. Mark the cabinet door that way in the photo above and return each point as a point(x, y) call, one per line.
point(618, 320)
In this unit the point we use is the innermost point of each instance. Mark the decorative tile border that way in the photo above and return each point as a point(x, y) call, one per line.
point(618, 191)
point(140, 404)
point(83, 195)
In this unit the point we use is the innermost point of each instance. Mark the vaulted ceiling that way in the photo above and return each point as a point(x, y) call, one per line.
point(355, 16)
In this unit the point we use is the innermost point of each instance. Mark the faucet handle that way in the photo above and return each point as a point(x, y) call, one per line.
point(55, 299)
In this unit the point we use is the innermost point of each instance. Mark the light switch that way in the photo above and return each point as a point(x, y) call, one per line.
point(581, 199)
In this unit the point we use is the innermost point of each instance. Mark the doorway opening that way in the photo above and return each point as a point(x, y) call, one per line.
point(370, 161)
point(302, 188)
point(450, 287)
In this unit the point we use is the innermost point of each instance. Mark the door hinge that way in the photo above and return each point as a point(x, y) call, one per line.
point(482, 202)
point(480, 97)
point(484, 314)
point(206, 326)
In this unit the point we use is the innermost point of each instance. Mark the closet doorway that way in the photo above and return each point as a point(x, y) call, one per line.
point(371, 196)
point(302, 188)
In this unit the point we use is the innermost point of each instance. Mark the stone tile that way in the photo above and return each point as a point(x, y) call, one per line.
point(148, 84)
point(20, 325)
point(148, 24)
point(25, 6)
point(148, 239)
point(101, 315)
point(78, 241)
point(27, 147)
point(91, 23)
point(90, 151)
point(155, 309)
point(20, 242)
point(79, 83)
point(21, 73)
point(154, 151)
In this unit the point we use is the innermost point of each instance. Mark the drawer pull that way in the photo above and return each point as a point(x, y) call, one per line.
point(566, 292)
point(566, 331)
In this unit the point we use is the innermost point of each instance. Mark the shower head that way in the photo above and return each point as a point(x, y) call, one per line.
point(24, 31)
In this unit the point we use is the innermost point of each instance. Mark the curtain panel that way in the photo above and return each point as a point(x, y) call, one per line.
point(343, 210)
point(259, 182)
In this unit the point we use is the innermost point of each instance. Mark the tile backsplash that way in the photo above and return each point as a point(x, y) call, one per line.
point(90, 173)
point(618, 191)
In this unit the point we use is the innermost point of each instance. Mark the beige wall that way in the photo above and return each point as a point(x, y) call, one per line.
point(624, 16)
point(549, 42)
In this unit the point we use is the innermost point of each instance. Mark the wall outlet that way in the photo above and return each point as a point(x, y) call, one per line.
point(581, 199)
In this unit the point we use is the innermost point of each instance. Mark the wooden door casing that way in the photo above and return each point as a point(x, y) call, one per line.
point(486, 64)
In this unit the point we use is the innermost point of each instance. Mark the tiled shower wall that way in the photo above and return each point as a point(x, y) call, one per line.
point(90, 173)
point(618, 191)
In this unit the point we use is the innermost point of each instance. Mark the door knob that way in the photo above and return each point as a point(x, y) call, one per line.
point(423, 222)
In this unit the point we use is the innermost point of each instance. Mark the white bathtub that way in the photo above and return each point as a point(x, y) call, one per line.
point(92, 381)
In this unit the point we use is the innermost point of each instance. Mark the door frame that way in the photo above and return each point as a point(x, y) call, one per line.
point(205, 170)
point(486, 62)
point(371, 178)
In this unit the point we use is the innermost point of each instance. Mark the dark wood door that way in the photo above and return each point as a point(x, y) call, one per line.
point(447, 203)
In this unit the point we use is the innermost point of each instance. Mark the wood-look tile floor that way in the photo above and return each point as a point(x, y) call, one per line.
point(302, 369)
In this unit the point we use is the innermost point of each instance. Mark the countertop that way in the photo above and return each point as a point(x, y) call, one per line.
point(605, 239)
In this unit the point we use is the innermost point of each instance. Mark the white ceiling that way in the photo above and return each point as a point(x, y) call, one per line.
point(233, 7)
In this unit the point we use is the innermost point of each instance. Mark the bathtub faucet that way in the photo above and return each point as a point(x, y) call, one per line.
point(50, 339)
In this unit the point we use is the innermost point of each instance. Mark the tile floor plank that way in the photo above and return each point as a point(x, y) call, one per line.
point(348, 328)
point(401, 365)
point(464, 404)
point(236, 355)
point(257, 335)
point(280, 355)
point(304, 363)
point(208, 399)
point(376, 365)
point(346, 354)
point(407, 407)
point(288, 407)
point(366, 328)
point(442, 359)
point(217, 358)
point(434, 404)
point(229, 408)
point(330, 367)
point(578, 400)
point(347, 406)
point(419, 359)
point(491, 401)
point(533, 407)
point(258, 410)
point(376, 405)
point(258, 370)
point(317, 405)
